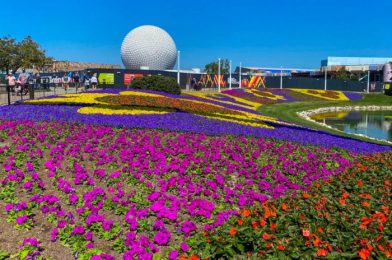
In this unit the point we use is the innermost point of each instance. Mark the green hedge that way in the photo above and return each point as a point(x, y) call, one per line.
point(157, 83)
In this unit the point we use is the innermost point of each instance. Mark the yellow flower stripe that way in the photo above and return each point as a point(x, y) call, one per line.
point(205, 96)
point(275, 97)
point(340, 94)
point(136, 93)
point(120, 110)
point(82, 98)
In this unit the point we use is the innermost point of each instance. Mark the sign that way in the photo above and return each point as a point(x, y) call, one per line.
point(106, 78)
point(129, 77)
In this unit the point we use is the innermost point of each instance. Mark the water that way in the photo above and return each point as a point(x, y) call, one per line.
point(375, 124)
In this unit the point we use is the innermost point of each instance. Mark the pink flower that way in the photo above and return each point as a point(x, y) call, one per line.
point(21, 219)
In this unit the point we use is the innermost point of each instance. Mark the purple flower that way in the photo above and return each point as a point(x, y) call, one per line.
point(21, 219)
point(162, 238)
point(78, 230)
point(173, 255)
point(184, 247)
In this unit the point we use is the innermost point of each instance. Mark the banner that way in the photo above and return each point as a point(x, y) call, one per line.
point(129, 77)
point(106, 78)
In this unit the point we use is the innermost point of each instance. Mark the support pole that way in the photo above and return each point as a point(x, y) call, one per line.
point(281, 77)
point(240, 74)
point(178, 68)
point(219, 75)
point(368, 83)
point(325, 78)
point(230, 76)
point(8, 87)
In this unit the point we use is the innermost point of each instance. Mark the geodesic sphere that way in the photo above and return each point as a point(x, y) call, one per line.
point(148, 46)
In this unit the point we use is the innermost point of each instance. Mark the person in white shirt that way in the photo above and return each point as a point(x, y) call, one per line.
point(94, 81)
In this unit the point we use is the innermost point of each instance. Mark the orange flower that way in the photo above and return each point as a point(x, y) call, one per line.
point(305, 195)
point(305, 232)
point(342, 202)
point(280, 247)
point(183, 258)
point(359, 183)
point(284, 206)
point(233, 231)
point(320, 230)
point(364, 253)
point(365, 204)
point(345, 195)
point(246, 213)
point(316, 241)
point(193, 257)
point(322, 252)
point(387, 182)
point(240, 222)
point(265, 236)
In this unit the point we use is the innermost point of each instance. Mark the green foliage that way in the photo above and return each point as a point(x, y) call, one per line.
point(157, 83)
point(212, 67)
point(24, 54)
point(4, 255)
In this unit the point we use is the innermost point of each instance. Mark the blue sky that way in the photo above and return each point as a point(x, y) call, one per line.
point(292, 33)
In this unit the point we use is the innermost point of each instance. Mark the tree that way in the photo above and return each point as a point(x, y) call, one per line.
point(212, 67)
point(24, 54)
point(342, 74)
point(7, 53)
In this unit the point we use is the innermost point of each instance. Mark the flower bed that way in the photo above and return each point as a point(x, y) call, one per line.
point(345, 217)
point(143, 192)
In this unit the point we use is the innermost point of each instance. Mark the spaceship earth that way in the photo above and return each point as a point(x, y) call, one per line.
point(148, 46)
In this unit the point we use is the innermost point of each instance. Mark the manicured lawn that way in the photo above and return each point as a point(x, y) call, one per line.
point(288, 111)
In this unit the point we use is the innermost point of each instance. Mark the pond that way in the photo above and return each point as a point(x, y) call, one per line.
point(375, 124)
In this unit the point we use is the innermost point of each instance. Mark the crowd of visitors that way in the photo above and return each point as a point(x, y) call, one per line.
point(19, 83)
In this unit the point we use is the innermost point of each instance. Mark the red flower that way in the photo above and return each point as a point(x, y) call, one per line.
point(322, 252)
point(364, 253)
point(246, 213)
point(284, 206)
point(262, 223)
point(280, 247)
point(240, 222)
point(265, 236)
point(233, 231)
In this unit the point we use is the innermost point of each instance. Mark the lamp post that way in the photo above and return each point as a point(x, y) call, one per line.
point(325, 78)
point(219, 75)
point(178, 67)
point(230, 76)
point(368, 82)
point(281, 77)
point(240, 74)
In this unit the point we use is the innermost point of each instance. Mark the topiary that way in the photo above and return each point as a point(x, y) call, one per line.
point(157, 83)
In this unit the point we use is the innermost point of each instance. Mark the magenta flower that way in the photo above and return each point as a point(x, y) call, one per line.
point(21, 219)
point(162, 238)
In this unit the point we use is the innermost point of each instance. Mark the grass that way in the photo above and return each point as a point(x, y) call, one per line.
point(288, 111)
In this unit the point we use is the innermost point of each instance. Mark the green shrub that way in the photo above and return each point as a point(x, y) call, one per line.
point(157, 83)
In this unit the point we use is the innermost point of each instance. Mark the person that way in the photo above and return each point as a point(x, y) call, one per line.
point(11, 81)
point(65, 81)
point(94, 81)
point(76, 78)
point(22, 81)
point(193, 83)
point(23, 78)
